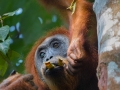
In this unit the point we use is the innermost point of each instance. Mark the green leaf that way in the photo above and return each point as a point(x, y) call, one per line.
point(13, 54)
point(4, 46)
point(4, 32)
point(3, 66)
point(8, 15)
point(72, 6)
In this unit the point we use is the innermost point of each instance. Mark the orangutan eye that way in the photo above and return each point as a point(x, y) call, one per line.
point(42, 54)
point(56, 45)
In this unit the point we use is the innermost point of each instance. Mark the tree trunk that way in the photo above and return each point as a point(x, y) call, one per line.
point(108, 28)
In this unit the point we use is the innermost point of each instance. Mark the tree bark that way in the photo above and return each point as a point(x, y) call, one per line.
point(108, 30)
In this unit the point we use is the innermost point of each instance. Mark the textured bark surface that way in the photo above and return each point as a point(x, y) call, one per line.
point(108, 29)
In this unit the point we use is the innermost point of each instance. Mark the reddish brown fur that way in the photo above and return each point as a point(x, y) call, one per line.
point(85, 79)
point(82, 25)
point(30, 63)
point(82, 22)
point(83, 34)
point(18, 82)
point(84, 76)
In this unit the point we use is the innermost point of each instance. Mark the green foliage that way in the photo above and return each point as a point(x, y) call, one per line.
point(72, 7)
point(4, 32)
point(3, 66)
point(7, 15)
point(4, 46)
point(4, 43)
point(5, 60)
point(28, 26)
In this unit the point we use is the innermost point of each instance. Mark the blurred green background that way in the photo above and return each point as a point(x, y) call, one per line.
point(30, 22)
